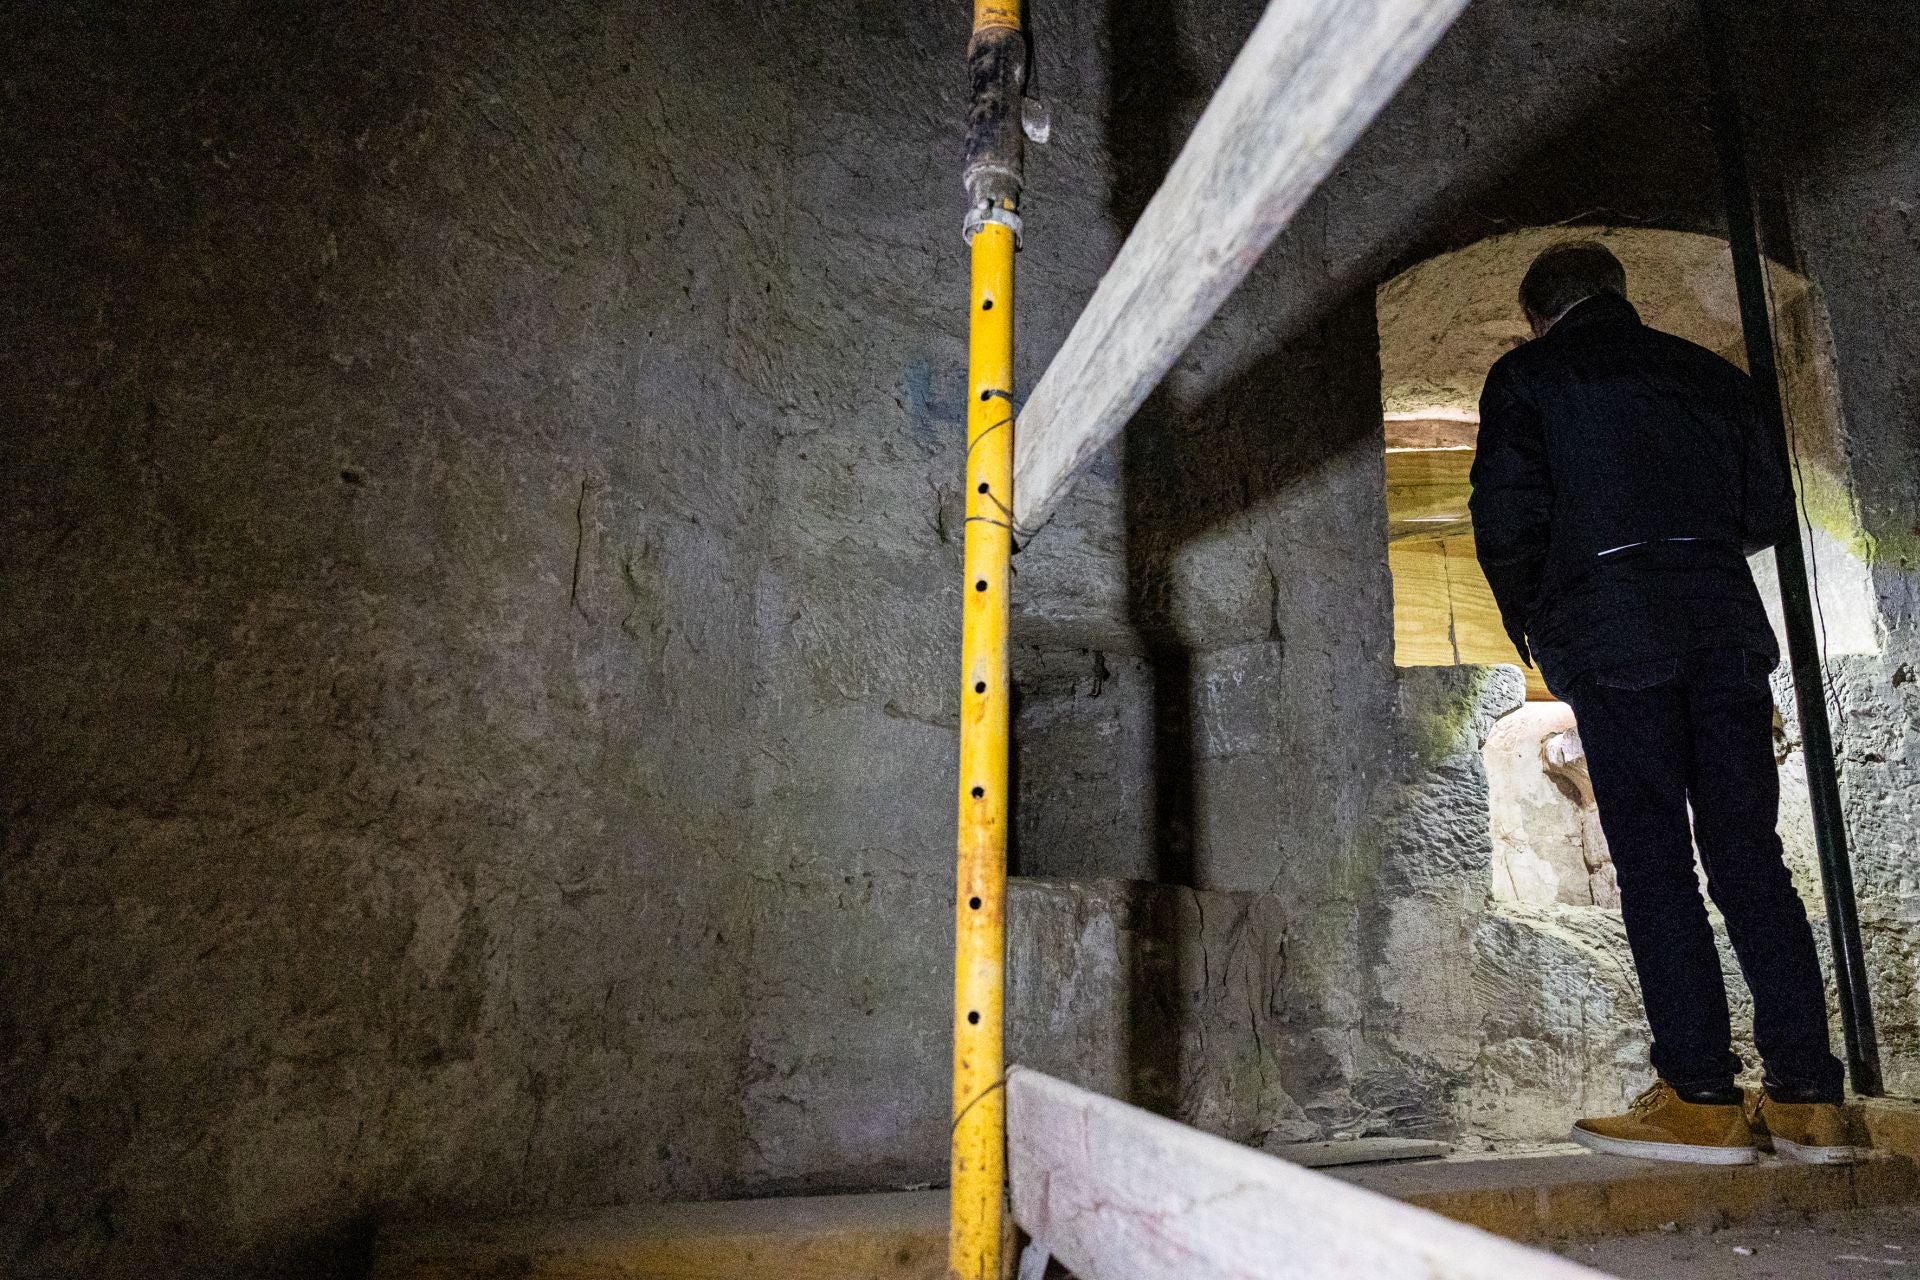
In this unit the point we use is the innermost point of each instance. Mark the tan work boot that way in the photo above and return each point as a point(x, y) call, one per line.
point(1660, 1125)
point(1807, 1132)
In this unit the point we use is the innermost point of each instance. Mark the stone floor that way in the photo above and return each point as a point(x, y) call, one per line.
point(1636, 1219)
point(1865, 1242)
point(1796, 1220)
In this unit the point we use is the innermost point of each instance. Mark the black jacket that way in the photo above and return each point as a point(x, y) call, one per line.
point(1622, 476)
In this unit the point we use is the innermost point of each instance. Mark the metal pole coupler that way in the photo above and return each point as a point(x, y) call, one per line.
point(996, 139)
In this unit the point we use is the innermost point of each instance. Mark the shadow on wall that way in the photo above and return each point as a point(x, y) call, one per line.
point(1148, 80)
point(1188, 469)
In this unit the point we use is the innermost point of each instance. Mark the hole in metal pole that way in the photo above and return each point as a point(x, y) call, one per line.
point(986, 394)
point(979, 686)
point(980, 585)
point(973, 1017)
point(987, 305)
point(973, 903)
point(979, 793)
point(983, 486)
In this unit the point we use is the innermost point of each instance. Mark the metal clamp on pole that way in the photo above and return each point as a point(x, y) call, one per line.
point(997, 63)
point(981, 214)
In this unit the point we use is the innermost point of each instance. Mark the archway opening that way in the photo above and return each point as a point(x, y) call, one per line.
point(1553, 907)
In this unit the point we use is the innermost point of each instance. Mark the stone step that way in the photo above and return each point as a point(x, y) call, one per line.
point(891, 1236)
point(1573, 1193)
point(1559, 1194)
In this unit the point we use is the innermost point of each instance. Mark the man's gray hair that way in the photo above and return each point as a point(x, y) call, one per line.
point(1568, 274)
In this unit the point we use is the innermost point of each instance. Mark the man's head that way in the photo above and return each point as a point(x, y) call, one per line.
point(1565, 276)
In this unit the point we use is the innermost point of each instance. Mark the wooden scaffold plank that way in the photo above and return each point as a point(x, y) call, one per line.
point(1311, 78)
point(1117, 1193)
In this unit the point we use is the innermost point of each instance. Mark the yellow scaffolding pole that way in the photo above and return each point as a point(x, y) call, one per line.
point(996, 58)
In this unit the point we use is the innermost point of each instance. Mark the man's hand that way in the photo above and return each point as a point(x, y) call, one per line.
point(1519, 637)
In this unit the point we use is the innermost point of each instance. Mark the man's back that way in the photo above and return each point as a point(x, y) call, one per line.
point(1622, 476)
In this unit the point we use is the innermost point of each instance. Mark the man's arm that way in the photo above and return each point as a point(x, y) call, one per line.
point(1766, 500)
point(1512, 503)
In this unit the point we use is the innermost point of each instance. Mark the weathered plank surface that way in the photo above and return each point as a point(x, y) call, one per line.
point(1116, 1193)
point(1310, 79)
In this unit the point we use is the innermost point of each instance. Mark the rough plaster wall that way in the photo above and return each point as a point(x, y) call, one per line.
point(1083, 741)
point(385, 484)
point(1205, 587)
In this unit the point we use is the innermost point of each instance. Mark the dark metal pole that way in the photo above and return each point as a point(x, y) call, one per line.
point(1796, 599)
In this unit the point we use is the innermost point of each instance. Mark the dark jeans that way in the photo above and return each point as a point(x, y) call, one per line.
point(1699, 729)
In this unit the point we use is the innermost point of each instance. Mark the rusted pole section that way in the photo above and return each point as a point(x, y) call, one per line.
point(997, 61)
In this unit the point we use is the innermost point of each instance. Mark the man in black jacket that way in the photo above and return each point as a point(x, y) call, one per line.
point(1623, 476)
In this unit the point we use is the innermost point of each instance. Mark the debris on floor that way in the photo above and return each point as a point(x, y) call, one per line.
point(1863, 1242)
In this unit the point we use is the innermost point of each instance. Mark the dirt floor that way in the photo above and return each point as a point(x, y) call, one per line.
point(1865, 1243)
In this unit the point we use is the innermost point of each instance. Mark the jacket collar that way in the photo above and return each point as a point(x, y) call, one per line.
point(1602, 308)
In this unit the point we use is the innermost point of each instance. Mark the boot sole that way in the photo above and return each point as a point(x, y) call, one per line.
point(1675, 1152)
point(1801, 1153)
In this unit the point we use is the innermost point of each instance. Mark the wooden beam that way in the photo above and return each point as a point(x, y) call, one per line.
point(1431, 432)
point(1312, 76)
point(1116, 1193)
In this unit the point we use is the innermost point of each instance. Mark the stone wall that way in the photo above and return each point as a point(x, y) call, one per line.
point(393, 403)
point(478, 686)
